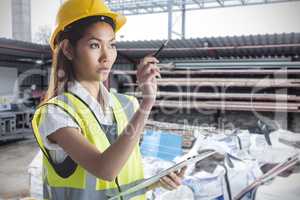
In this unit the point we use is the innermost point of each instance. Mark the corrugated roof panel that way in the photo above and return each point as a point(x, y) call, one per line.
point(259, 45)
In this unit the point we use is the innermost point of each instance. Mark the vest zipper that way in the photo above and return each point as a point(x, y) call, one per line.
point(119, 188)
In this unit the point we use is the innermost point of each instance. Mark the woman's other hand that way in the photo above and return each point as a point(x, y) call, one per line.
point(171, 181)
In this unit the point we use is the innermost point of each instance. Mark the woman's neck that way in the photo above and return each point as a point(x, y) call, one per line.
point(94, 90)
point(92, 87)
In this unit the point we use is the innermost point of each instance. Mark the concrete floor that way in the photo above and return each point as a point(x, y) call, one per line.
point(15, 158)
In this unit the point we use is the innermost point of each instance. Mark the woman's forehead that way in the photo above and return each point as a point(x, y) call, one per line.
point(100, 31)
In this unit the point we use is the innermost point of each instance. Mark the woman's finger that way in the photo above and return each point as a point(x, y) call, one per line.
point(176, 179)
point(149, 59)
point(182, 172)
point(158, 71)
point(145, 65)
point(150, 76)
point(171, 181)
point(145, 68)
point(165, 185)
point(168, 181)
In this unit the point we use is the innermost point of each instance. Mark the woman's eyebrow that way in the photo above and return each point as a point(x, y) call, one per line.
point(99, 39)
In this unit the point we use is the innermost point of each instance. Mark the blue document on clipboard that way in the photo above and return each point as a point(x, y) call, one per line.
point(147, 182)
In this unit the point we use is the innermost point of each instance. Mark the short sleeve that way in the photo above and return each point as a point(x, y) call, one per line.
point(54, 118)
point(136, 104)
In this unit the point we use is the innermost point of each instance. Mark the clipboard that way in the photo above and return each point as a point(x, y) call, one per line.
point(149, 181)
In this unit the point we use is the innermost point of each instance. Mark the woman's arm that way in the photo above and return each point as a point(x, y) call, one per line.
point(107, 165)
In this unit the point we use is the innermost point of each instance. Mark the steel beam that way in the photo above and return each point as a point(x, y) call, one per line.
point(134, 7)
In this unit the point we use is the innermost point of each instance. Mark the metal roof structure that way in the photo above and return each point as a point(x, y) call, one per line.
point(135, 7)
point(285, 45)
point(138, 7)
point(26, 52)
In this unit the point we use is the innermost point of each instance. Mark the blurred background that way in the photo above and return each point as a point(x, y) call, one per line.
point(228, 65)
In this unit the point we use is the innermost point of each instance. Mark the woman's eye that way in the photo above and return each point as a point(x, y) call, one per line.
point(94, 46)
point(113, 45)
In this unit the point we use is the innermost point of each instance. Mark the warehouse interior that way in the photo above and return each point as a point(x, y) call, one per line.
point(240, 94)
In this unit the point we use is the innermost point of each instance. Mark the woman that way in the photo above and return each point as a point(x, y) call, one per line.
point(89, 136)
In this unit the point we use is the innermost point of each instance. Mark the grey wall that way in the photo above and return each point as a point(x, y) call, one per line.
point(8, 78)
point(5, 19)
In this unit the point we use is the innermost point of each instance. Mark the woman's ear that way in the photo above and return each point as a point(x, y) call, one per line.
point(67, 49)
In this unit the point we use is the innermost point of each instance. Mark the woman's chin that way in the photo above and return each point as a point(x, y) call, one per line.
point(101, 77)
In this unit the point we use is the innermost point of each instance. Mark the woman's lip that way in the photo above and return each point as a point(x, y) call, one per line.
point(103, 70)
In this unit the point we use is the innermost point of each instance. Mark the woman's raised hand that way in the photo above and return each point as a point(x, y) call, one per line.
point(147, 71)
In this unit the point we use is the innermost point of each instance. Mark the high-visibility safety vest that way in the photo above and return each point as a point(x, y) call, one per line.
point(68, 180)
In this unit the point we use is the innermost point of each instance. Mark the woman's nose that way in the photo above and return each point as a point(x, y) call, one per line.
point(104, 54)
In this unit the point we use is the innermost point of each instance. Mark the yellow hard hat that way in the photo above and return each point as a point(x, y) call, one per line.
point(73, 10)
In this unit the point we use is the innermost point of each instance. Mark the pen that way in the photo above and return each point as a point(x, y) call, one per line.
point(160, 49)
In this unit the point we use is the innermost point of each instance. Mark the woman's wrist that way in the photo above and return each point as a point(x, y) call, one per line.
point(147, 104)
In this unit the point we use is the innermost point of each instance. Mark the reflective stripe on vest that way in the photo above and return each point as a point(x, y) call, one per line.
point(81, 184)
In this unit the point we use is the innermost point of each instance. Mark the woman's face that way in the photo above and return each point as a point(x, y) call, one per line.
point(95, 53)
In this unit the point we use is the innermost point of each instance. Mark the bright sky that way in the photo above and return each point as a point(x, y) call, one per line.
point(261, 19)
